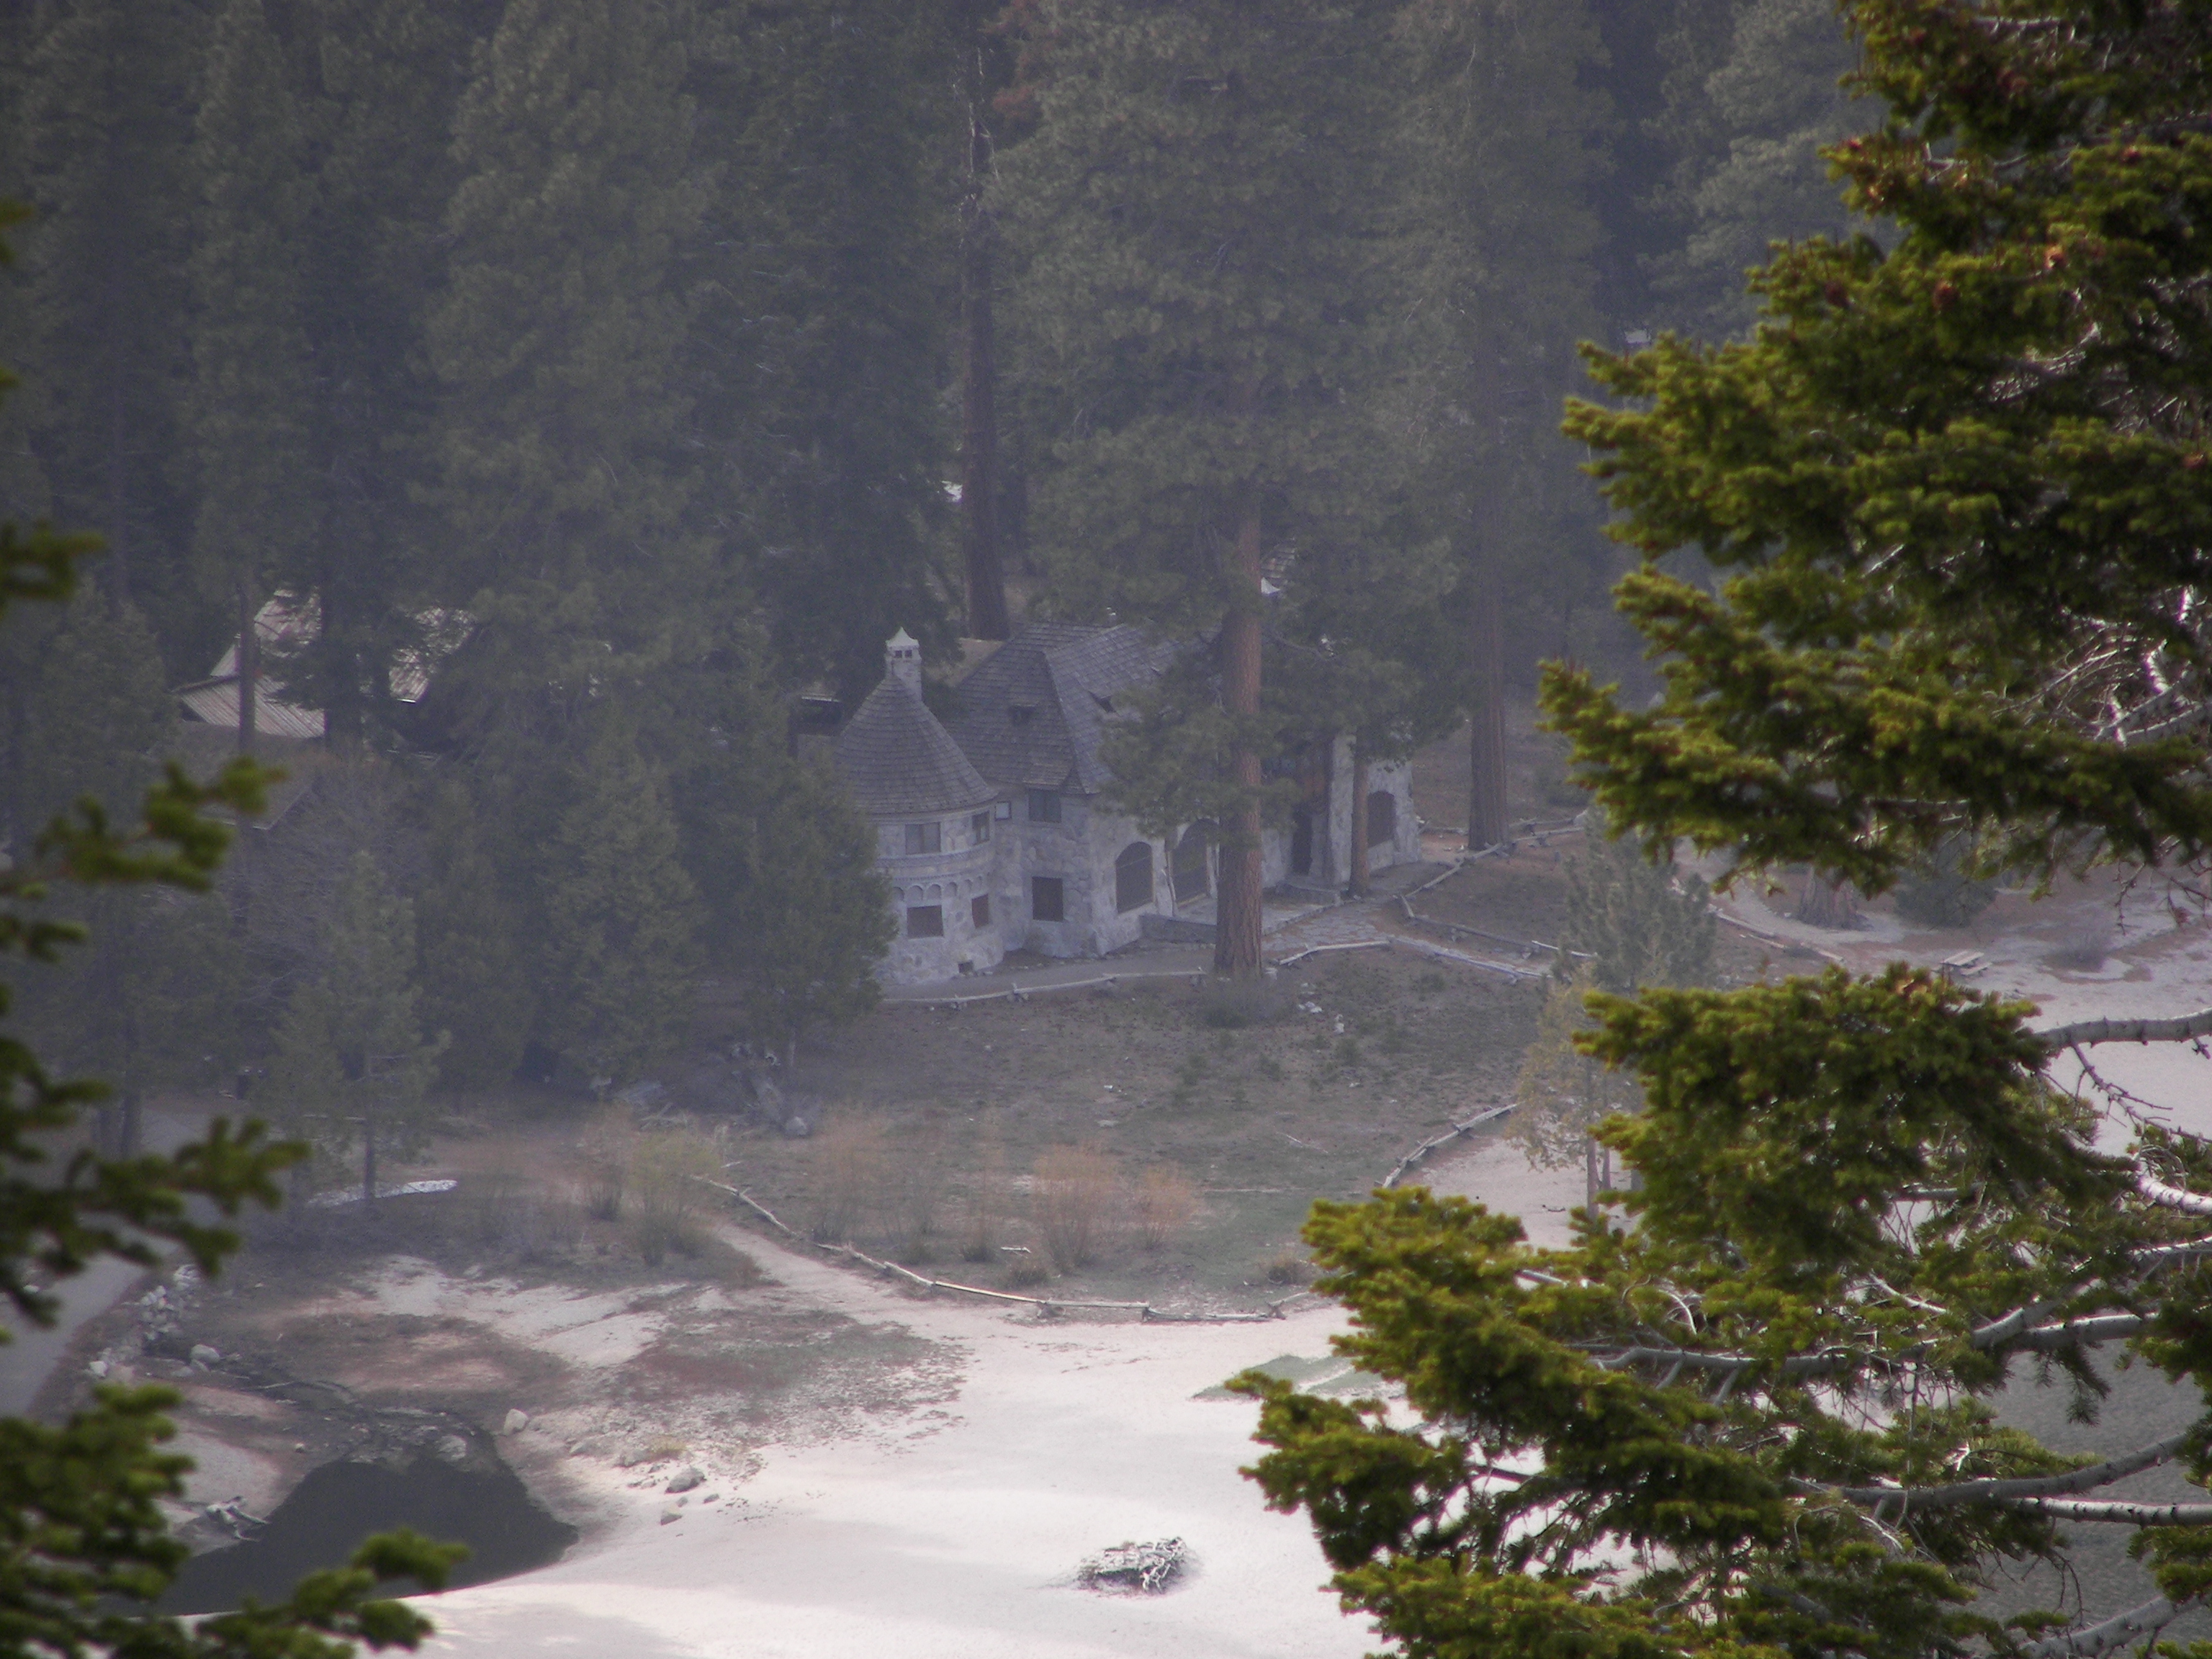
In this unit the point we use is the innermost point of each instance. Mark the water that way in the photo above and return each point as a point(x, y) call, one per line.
point(340, 1505)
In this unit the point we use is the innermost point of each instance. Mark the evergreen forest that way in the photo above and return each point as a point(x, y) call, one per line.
point(1801, 404)
point(634, 368)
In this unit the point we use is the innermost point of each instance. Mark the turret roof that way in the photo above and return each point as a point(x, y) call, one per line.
point(899, 761)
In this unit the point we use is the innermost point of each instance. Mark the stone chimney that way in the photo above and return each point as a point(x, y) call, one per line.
point(902, 662)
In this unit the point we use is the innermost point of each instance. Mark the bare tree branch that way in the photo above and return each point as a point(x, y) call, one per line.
point(2128, 1514)
point(2082, 1333)
point(1992, 1489)
point(2173, 1197)
point(2118, 1632)
point(2183, 1028)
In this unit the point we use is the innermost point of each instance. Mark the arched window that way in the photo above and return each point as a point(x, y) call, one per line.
point(1193, 878)
point(1381, 818)
point(1133, 877)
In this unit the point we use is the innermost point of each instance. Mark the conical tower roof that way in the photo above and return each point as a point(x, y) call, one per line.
point(900, 763)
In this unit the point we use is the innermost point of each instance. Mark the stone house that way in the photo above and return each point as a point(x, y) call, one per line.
point(992, 826)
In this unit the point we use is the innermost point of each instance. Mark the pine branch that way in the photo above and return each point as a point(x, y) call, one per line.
point(2081, 1333)
point(2173, 1197)
point(2127, 1514)
point(2184, 1028)
point(2014, 1330)
point(1992, 1490)
point(2118, 1632)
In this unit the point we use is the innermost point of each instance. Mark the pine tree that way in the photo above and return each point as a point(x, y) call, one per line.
point(1561, 1095)
point(815, 919)
point(1750, 130)
point(1196, 211)
point(89, 713)
point(386, 77)
point(1630, 924)
point(476, 980)
point(1501, 141)
point(154, 994)
point(792, 910)
point(1634, 919)
point(621, 916)
point(1954, 489)
point(566, 471)
point(824, 340)
point(103, 135)
point(351, 1066)
point(85, 1544)
point(250, 359)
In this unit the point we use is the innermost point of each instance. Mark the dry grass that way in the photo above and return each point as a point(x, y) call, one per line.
point(849, 1179)
point(983, 1205)
point(604, 1156)
point(1075, 1197)
point(667, 1192)
point(492, 1203)
point(1162, 1205)
point(912, 1193)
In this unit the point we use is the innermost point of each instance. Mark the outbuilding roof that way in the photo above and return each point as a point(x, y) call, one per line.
point(1033, 714)
point(898, 760)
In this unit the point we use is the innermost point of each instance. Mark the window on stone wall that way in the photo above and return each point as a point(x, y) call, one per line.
point(925, 921)
point(1048, 899)
point(1133, 877)
point(979, 910)
point(979, 828)
point(1381, 818)
point(1044, 806)
point(925, 837)
point(1191, 872)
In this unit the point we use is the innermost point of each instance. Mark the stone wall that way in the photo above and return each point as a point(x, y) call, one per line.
point(1080, 849)
point(1332, 852)
point(951, 878)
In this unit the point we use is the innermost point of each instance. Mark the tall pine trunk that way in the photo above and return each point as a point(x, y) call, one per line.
point(118, 489)
point(979, 397)
point(1358, 882)
point(1486, 823)
point(342, 721)
point(249, 667)
point(1236, 911)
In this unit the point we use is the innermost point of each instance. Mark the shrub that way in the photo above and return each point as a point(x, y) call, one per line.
point(1162, 1205)
point(1074, 1196)
point(667, 1192)
point(492, 1203)
point(604, 1154)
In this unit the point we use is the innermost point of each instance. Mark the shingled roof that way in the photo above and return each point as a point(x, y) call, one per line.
point(898, 760)
point(1032, 714)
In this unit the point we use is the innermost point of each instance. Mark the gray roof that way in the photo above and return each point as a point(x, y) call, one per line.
point(898, 760)
point(1066, 675)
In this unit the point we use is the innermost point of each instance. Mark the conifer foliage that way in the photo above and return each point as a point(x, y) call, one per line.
point(85, 1545)
point(1955, 488)
point(352, 1067)
point(1196, 211)
point(249, 342)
